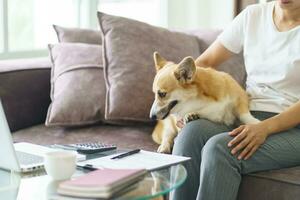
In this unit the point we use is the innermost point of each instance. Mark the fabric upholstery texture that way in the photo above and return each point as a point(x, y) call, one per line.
point(128, 47)
point(77, 85)
point(283, 184)
point(24, 91)
point(77, 35)
point(24, 64)
point(129, 137)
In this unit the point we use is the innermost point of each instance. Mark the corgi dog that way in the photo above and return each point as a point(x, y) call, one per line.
point(189, 92)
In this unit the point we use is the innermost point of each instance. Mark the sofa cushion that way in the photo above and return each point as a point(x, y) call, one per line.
point(236, 68)
point(129, 137)
point(128, 47)
point(283, 184)
point(205, 36)
point(24, 91)
point(77, 35)
point(77, 85)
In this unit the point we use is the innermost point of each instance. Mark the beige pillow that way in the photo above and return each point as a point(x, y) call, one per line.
point(77, 85)
point(77, 35)
point(128, 46)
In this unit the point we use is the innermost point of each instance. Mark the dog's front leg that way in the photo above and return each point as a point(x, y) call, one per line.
point(170, 131)
point(191, 117)
point(167, 142)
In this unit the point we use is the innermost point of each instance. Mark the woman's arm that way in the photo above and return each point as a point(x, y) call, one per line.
point(249, 137)
point(283, 121)
point(214, 55)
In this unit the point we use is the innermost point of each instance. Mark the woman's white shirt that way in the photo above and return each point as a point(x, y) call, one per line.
point(272, 58)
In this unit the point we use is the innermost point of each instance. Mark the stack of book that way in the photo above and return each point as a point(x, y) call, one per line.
point(102, 183)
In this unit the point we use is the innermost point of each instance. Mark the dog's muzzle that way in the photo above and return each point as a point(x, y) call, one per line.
point(161, 113)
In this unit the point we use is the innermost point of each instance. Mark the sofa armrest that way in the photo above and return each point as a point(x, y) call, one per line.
point(24, 91)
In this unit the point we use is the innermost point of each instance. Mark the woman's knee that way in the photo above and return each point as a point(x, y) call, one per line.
point(216, 147)
point(195, 134)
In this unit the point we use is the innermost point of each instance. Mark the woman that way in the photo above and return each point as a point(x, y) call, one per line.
point(269, 35)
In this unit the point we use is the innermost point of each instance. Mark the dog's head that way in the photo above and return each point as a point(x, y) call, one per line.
point(173, 86)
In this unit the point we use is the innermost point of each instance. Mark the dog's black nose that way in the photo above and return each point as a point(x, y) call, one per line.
point(153, 117)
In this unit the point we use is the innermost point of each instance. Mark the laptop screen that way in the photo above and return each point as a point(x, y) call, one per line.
point(9, 161)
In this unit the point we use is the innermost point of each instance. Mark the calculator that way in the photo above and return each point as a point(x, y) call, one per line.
point(87, 148)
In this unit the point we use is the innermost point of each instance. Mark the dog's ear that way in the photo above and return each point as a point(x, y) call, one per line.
point(159, 61)
point(185, 71)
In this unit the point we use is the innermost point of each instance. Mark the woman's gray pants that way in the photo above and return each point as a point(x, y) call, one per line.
point(214, 173)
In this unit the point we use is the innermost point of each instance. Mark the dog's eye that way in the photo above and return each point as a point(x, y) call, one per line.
point(161, 94)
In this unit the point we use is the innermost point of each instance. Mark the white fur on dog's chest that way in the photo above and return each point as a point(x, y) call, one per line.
point(218, 111)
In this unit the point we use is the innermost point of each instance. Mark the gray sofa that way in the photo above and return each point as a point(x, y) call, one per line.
point(24, 91)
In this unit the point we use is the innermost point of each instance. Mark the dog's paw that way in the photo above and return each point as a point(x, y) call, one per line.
point(190, 117)
point(164, 148)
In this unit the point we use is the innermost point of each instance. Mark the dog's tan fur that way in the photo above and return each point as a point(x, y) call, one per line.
point(204, 92)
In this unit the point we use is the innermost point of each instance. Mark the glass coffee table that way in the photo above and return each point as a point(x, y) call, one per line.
point(39, 186)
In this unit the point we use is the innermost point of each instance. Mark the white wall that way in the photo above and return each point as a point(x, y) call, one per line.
point(192, 14)
point(1, 29)
point(221, 13)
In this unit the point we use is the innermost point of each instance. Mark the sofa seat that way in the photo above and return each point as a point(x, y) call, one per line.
point(123, 136)
point(283, 184)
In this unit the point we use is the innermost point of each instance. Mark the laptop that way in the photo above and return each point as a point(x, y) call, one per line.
point(21, 157)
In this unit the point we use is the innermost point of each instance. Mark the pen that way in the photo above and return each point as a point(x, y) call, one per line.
point(126, 154)
point(87, 167)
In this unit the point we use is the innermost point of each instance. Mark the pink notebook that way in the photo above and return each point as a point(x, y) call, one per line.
point(100, 183)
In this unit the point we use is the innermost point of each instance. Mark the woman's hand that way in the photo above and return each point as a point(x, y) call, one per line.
point(247, 138)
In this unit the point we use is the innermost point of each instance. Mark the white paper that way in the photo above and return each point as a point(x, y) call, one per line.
point(142, 160)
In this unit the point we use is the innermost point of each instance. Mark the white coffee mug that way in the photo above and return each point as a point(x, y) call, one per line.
point(60, 165)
